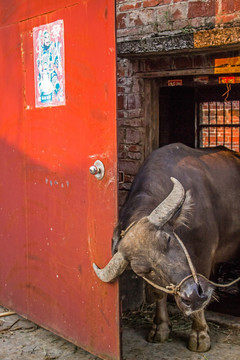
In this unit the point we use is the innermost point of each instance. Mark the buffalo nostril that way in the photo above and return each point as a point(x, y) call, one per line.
point(200, 290)
point(201, 293)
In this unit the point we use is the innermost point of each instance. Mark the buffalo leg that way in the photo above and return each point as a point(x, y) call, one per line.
point(199, 339)
point(160, 329)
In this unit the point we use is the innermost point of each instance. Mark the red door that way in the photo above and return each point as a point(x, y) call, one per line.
point(57, 218)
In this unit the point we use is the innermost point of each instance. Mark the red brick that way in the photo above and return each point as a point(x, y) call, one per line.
point(129, 167)
point(130, 6)
point(122, 102)
point(177, 15)
point(135, 156)
point(121, 134)
point(121, 21)
point(120, 114)
point(120, 89)
point(133, 113)
point(149, 3)
point(201, 9)
point(133, 136)
point(227, 18)
point(134, 148)
point(122, 151)
point(122, 155)
point(131, 101)
point(152, 3)
point(134, 101)
point(126, 8)
point(138, 21)
point(230, 6)
point(138, 122)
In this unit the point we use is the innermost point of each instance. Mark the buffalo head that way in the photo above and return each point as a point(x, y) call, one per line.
point(151, 248)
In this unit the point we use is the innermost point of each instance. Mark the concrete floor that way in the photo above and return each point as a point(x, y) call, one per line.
point(26, 341)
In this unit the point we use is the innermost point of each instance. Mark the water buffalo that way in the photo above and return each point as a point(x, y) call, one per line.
point(182, 202)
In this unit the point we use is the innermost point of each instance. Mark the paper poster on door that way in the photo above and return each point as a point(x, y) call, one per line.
point(49, 71)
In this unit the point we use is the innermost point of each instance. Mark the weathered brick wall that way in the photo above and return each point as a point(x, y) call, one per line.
point(227, 11)
point(131, 129)
point(158, 27)
point(141, 17)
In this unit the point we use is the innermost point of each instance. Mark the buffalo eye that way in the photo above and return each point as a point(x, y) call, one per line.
point(168, 239)
point(164, 240)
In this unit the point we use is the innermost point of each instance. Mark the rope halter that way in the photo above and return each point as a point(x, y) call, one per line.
point(175, 289)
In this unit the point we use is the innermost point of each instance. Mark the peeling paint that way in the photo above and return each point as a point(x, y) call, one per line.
point(57, 183)
point(100, 156)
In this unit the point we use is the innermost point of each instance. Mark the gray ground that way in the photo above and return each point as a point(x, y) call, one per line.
point(21, 339)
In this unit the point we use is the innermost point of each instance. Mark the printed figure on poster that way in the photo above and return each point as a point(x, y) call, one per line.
point(48, 45)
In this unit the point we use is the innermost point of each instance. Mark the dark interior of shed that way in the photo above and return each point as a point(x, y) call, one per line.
point(178, 106)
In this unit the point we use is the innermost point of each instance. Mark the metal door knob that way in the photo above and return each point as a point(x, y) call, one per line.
point(93, 170)
point(97, 170)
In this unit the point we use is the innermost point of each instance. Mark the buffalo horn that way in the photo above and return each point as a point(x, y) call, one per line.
point(167, 208)
point(113, 269)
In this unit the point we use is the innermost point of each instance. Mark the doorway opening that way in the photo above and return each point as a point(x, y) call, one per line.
point(200, 115)
point(177, 115)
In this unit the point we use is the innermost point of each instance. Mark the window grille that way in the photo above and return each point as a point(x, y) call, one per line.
point(219, 124)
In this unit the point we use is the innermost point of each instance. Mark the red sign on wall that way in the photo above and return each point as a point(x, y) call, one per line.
point(227, 80)
point(175, 82)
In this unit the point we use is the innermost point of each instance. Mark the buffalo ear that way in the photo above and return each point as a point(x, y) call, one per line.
point(116, 238)
point(184, 215)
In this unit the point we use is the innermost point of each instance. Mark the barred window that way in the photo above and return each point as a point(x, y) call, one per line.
point(218, 124)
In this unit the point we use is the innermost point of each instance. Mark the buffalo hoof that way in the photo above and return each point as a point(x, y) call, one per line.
point(199, 341)
point(159, 333)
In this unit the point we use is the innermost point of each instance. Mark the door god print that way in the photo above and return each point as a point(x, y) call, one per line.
point(49, 72)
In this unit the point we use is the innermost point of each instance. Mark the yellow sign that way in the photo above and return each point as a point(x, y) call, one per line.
point(227, 65)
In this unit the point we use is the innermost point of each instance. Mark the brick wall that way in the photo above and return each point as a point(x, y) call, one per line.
point(160, 32)
point(136, 17)
point(227, 11)
point(141, 17)
point(131, 129)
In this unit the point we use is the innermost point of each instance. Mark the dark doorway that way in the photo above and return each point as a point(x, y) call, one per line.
point(201, 115)
point(177, 115)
